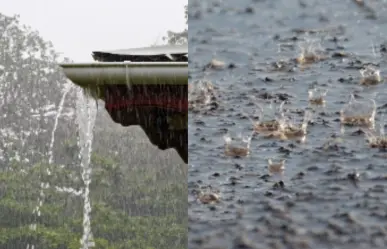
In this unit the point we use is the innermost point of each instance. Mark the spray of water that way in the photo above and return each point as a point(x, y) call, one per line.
point(86, 112)
point(45, 185)
point(67, 89)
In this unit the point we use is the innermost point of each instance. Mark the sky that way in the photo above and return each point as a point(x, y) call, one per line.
point(78, 27)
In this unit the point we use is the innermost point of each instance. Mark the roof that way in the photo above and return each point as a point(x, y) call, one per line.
point(146, 54)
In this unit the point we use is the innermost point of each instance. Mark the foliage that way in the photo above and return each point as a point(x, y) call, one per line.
point(27, 68)
point(179, 37)
point(129, 210)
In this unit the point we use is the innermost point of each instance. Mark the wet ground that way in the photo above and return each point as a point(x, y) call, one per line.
point(334, 193)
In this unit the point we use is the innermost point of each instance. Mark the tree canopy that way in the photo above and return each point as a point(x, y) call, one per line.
point(179, 37)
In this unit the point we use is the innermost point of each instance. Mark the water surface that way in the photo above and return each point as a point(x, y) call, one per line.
point(319, 207)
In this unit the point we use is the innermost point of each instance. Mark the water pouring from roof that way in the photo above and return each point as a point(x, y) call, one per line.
point(143, 86)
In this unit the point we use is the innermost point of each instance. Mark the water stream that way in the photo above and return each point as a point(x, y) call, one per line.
point(86, 112)
point(44, 185)
point(67, 89)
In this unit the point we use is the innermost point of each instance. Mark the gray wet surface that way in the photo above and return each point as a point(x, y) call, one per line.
point(319, 206)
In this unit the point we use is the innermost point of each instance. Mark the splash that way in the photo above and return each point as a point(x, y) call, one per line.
point(86, 112)
point(200, 93)
point(311, 52)
point(238, 146)
point(281, 65)
point(370, 76)
point(207, 195)
point(279, 125)
point(209, 198)
point(296, 131)
point(290, 129)
point(269, 118)
point(276, 169)
point(358, 113)
point(316, 96)
point(377, 140)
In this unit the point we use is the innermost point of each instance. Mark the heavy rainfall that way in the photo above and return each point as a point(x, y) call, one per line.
point(286, 124)
point(70, 177)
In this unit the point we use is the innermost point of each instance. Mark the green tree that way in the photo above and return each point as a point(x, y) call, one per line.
point(129, 209)
point(179, 37)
